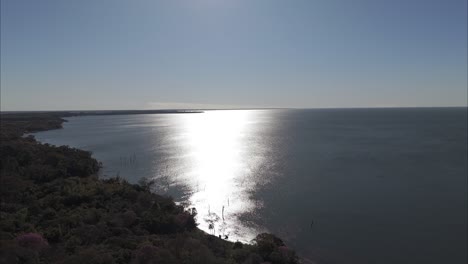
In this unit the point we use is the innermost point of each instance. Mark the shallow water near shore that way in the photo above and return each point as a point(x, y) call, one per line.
point(338, 185)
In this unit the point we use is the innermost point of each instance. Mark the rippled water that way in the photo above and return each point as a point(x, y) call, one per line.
point(339, 185)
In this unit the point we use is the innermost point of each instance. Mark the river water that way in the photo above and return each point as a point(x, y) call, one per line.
point(338, 185)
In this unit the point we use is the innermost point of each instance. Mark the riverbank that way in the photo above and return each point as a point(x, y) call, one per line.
point(54, 209)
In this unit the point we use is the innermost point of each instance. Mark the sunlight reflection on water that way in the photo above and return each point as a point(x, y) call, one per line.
point(218, 171)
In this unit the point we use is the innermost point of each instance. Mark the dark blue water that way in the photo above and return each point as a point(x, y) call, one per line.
point(339, 185)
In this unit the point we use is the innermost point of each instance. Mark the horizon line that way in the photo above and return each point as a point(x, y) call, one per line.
point(226, 109)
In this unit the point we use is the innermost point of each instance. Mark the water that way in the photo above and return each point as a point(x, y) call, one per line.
point(339, 185)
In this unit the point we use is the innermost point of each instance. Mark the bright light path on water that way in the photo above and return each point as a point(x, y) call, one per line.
point(219, 175)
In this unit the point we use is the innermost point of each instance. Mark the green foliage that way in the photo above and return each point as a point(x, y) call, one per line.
point(273, 249)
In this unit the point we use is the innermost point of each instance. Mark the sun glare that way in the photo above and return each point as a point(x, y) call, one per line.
point(215, 140)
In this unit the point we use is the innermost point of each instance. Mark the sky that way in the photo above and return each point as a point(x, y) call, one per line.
point(146, 54)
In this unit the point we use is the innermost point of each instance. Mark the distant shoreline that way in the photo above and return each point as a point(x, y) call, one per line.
point(190, 111)
point(103, 112)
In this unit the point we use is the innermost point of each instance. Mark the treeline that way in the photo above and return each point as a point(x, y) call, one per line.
point(54, 209)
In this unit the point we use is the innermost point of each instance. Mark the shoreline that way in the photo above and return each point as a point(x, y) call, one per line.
point(139, 223)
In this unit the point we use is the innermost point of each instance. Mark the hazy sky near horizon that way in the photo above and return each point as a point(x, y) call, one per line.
point(140, 54)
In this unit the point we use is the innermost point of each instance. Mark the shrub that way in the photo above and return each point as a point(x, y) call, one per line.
point(146, 253)
point(128, 218)
point(32, 241)
point(185, 221)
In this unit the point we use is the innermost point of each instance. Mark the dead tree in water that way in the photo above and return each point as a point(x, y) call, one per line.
point(211, 219)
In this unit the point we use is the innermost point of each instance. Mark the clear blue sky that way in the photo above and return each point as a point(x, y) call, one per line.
point(139, 54)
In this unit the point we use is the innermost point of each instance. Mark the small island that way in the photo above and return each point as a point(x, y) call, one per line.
point(54, 209)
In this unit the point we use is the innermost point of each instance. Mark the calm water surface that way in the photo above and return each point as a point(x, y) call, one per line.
point(340, 186)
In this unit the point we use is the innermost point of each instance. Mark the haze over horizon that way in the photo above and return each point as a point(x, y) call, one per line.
point(100, 55)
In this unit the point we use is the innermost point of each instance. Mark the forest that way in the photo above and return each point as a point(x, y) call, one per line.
point(55, 209)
